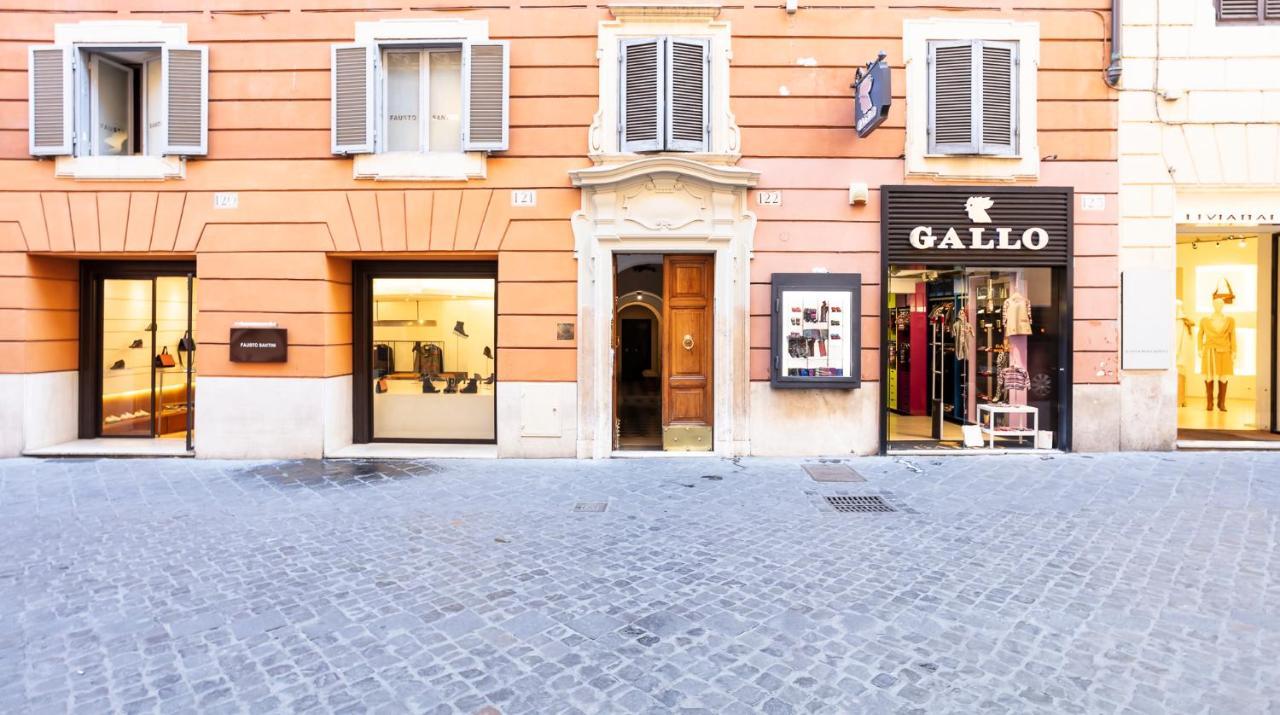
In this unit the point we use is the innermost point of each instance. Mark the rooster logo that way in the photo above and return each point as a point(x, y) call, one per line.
point(977, 207)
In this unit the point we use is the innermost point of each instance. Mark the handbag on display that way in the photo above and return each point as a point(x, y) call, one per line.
point(380, 386)
point(186, 343)
point(164, 359)
point(1224, 291)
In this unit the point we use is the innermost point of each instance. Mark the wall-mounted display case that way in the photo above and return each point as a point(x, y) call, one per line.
point(816, 339)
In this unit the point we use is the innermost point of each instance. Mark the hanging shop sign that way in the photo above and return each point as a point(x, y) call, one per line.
point(872, 95)
point(976, 225)
point(817, 330)
point(259, 344)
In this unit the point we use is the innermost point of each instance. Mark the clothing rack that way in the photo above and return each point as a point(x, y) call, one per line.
point(396, 346)
point(940, 317)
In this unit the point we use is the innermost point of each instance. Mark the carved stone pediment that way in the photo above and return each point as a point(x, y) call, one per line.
point(664, 204)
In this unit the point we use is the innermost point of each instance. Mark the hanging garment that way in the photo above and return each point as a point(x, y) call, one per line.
point(1184, 339)
point(1217, 346)
point(1017, 314)
point(382, 358)
point(962, 333)
point(428, 359)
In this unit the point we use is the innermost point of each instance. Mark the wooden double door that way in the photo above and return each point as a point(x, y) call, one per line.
point(687, 349)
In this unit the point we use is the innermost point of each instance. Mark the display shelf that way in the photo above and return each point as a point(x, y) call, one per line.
point(988, 426)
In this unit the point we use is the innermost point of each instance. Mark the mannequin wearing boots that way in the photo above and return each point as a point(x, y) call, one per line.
point(1217, 342)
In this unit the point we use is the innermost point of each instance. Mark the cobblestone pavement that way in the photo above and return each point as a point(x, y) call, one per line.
point(1133, 583)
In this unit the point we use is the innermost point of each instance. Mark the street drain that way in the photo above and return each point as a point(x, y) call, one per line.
point(832, 473)
point(591, 506)
point(859, 504)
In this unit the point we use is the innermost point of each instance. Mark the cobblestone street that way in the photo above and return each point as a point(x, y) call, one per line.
point(1119, 583)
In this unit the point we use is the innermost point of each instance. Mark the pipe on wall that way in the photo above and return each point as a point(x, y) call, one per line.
point(1114, 69)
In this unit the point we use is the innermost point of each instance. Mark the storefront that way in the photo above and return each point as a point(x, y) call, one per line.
point(138, 351)
point(976, 319)
point(424, 352)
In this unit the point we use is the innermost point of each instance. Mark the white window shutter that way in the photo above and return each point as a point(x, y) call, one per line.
point(688, 76)
point(486, 91)
point(49, 105)
point(953, 121)
point(352, 108)
point(185, 81)
point(641, 113)
point(1238, 9)
point(999, 73)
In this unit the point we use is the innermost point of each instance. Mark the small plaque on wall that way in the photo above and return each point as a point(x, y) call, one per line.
point(259, 345)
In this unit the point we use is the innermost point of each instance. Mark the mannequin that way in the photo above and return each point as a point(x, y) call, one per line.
point(1184, 355)
point(1217, 344)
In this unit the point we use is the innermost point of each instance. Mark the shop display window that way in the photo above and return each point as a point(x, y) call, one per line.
point(816, 330)
point(432, 359)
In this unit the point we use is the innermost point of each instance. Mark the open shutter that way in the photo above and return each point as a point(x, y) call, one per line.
point(688, 72)
point(640, 125)
point(486, 91)
point(49, 92)
point(485, 72)
point(999, 75)
point(952, 120)
point(1245, 10)
point(352, 110)
point(186, 92)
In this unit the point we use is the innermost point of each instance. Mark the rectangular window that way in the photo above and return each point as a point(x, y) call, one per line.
point(1248, 11)
point(422, 109)
point(123, 90)
point(973, 97)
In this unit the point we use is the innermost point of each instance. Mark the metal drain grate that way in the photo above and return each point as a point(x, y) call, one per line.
point(591, 506)
point(859, 504)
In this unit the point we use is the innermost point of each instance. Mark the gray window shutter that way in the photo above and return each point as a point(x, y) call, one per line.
point(953, 124)
point(185, 70)
point(688, 74)
point(49, 106)
point(352, 108)
point(486, 89)
point(999, 102)
point(1273, 9)
point(1248, 10)
point(641, 115)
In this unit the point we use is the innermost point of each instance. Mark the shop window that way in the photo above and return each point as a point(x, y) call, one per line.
point(663, 102)
point(432, 359)
point(973, 97)
point(1248, 11)
point(105, 101)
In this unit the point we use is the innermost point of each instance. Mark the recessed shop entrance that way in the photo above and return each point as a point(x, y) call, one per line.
point(662, 338)
point(1224, 335)
point(138, 351)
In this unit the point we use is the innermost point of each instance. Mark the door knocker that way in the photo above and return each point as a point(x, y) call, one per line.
point(688, 342)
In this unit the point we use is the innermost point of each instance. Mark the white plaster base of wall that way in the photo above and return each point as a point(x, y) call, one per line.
point(260, 417)
point(537, 419)
point(799, 423)
point(337, 413)
point(1149, 411)
point(37, 410)
point(1095, 421)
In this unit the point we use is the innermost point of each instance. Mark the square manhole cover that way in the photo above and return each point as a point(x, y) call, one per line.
point(591, 506)
point(833, 473)
point(859, 504)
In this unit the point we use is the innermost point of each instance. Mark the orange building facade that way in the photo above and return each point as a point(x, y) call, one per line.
point(338, 228)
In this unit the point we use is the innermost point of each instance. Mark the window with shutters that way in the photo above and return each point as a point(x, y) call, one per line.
point(115, 106)
point(973, 97)
point(409, 90)
point(1248, 11)
point(664, 94)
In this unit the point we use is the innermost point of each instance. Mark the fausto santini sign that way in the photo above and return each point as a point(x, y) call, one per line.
point(976, 225)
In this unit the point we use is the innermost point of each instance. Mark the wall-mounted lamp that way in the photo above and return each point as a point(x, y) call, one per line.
point(858, 193)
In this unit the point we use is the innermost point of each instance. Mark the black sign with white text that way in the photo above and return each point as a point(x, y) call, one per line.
point(259, 345)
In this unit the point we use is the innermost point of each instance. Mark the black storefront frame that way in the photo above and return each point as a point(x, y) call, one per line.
point(362, 275)
point(1063, 293)
point(90, 382)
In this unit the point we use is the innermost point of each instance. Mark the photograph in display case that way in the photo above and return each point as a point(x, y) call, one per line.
point(816, 330)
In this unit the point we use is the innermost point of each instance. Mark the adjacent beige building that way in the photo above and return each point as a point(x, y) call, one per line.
point(1200, 209)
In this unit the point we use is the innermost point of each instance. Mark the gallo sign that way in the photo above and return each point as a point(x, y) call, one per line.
point(969, 225)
